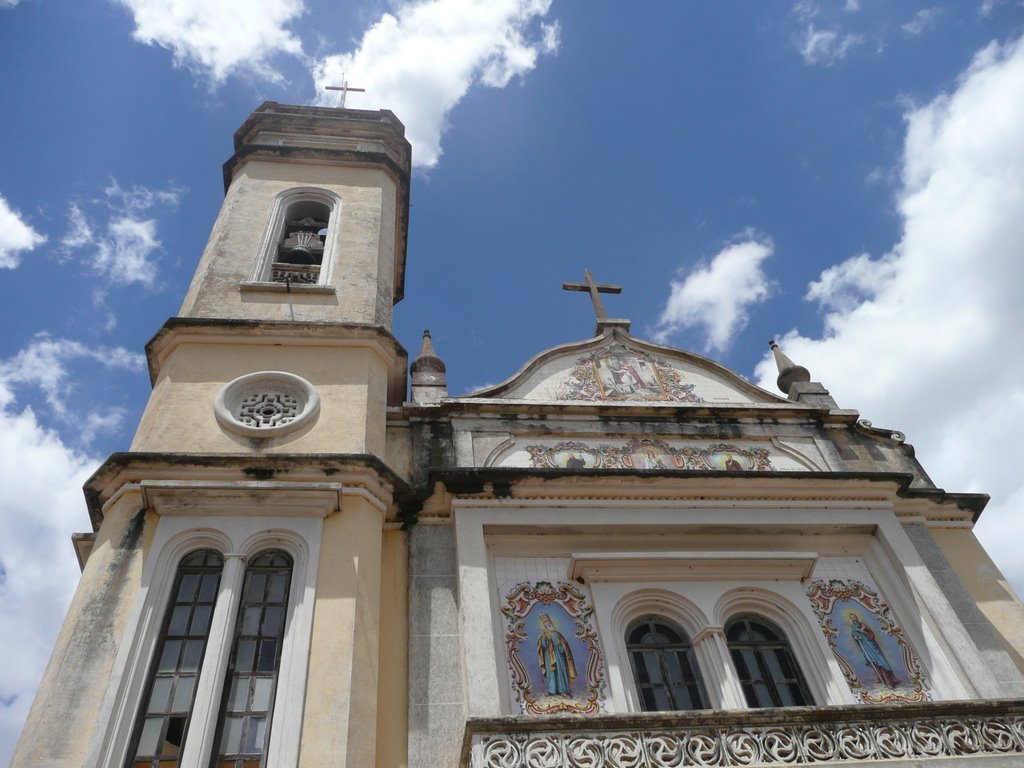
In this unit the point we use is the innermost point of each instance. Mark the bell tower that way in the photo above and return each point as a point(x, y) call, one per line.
point(247, 574)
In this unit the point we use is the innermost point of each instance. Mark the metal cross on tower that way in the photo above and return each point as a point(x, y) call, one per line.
point(595, 290)
point(344, 88)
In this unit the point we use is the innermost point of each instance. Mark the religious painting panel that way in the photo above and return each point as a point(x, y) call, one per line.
point(652, 454)
point(872, 650)
point(617, 372)
point(552, 652)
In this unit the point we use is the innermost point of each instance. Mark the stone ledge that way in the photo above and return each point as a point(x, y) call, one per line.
point(268, 287)
point(849, 735)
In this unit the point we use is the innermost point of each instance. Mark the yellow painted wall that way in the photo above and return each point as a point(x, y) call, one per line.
point(62, 721)
point(351, 381)
point(363, 262)
point(340, 717)
point(986, 585)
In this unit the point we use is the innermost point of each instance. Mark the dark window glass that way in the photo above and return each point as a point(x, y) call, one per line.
point(170, 691)
point(664, 668)
point(248, 700)
point(765, 663)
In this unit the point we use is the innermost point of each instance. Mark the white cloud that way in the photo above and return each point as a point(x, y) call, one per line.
point(8, 3)
point(125, 254)
point(16, 236)
point(44, 364)
point(716, 296)
point(845, 285)
point(125, 248)
point(421, 61)
point(926, 339)
point(922, 21)
point(824, 47)
point(821, 46)
point(42, 505)
point(987, 6)
point(39, 571)
point(217, 38)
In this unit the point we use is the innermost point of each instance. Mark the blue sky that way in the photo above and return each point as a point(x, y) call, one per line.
point(845, 176)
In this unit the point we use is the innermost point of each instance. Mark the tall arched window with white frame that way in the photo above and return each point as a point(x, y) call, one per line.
point(767, 668)
point(162, 725)
point(664, 668)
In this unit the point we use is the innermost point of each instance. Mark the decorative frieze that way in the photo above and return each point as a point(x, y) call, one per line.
point(796, 736)
point(650, 454)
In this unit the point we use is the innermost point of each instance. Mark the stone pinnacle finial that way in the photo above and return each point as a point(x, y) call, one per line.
point(789, 372)
point(429, 383)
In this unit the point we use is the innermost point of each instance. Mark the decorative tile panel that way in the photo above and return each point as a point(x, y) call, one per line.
point(650, 454)
point(552, 652)
point(617, 372)
point(873, 652)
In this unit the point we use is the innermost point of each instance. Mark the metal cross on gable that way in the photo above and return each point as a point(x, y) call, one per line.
point(594, 289)
point(344, 88)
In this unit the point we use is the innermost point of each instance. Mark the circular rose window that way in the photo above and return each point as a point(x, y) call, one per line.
point(267, 404)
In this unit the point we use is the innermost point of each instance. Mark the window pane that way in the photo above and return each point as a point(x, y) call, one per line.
point(273, 619)
point(254, 588)
point(150, 739)
point(187, 589)
point(232, 738)
point(193, 655)
point(251, 621)
point(262, 687)
point(179, 620)
point(277, 586)
point(268, 656)
point(201, 621)
point(254, 735)
point(246, 652)
point(208, 589)
point(239, 694)
point(183, 694)
point(169, 656)
point(161, 694)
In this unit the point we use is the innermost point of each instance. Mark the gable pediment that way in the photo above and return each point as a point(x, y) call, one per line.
point(616, 368)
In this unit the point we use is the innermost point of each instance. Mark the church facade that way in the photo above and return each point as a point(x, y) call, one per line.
point(623, 555)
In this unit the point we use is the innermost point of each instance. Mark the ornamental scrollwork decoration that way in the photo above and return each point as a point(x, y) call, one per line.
point(769, 745)
point(647, 453)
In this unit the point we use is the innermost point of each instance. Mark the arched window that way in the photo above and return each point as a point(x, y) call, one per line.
point(162, 725)
point(248, 700)
point(299, 253)
point(767, 668)
point(664, 668)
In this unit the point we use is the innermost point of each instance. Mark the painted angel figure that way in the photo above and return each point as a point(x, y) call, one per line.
point(864, 637)
point(555, 658)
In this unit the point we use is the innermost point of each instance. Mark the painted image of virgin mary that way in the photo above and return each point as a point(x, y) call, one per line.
point(555, 658)
point(864, 637)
